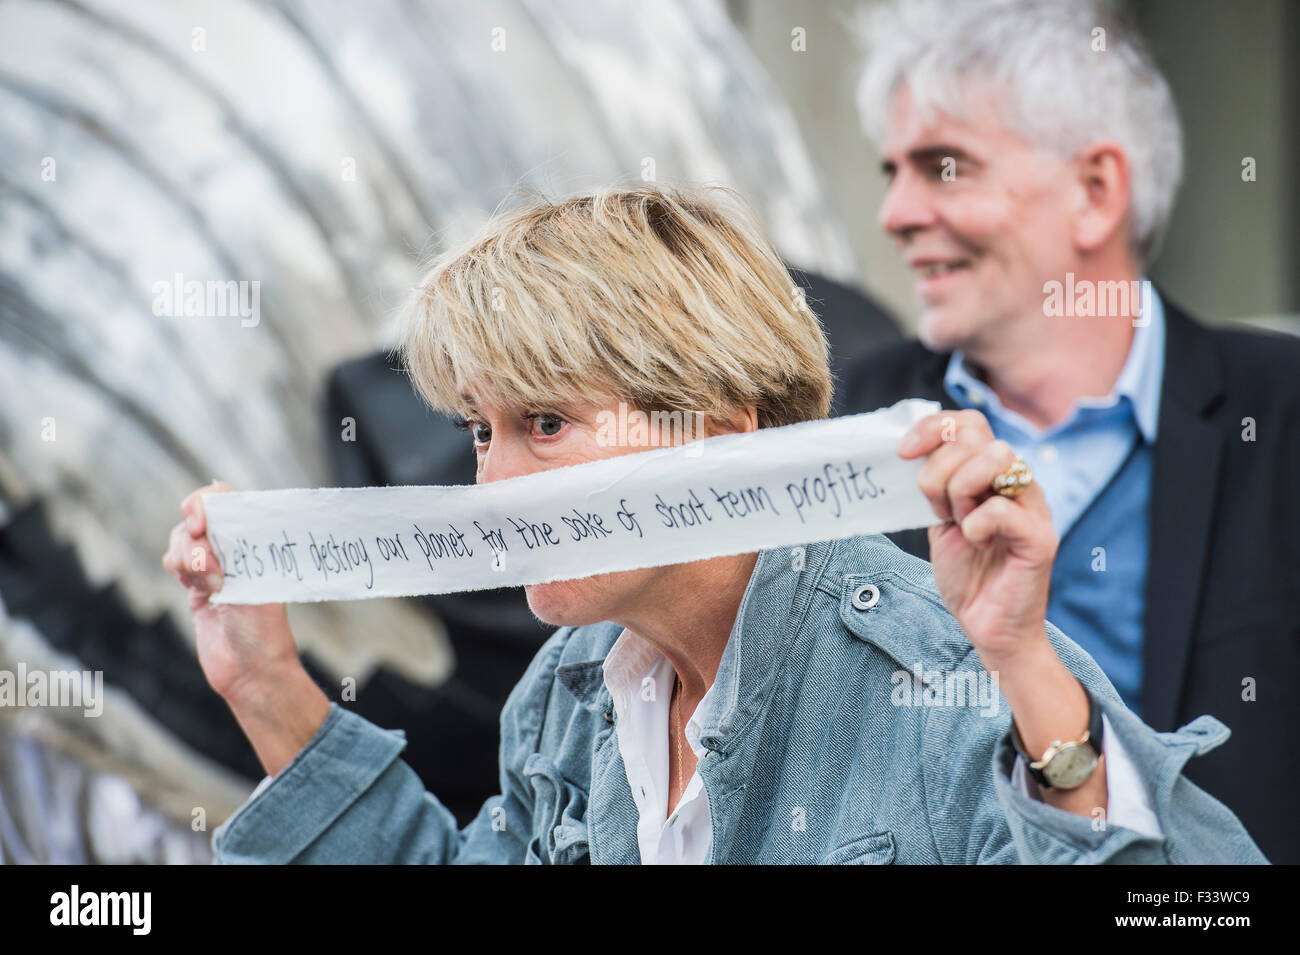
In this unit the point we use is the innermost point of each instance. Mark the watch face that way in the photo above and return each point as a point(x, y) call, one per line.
point(1070, 766)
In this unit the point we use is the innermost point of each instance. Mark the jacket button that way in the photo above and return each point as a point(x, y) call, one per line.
point(866, 597)
point(609, 716)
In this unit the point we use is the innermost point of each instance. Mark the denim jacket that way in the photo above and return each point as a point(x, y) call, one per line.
point(817, 751)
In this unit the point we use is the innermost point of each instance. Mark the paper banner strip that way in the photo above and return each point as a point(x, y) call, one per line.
point(731, 494)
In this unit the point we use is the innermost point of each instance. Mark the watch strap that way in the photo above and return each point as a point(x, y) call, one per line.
point(1095, 740)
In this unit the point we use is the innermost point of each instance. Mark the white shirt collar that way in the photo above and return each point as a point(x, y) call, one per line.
point(633, 667)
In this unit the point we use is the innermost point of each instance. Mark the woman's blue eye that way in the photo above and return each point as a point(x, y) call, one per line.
point(549, 424)
point(482, 433)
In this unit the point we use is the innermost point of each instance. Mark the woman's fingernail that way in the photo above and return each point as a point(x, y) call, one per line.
point(192, 523)
point(214, 581)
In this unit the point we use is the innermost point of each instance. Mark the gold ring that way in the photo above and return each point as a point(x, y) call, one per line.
point(1014, 479)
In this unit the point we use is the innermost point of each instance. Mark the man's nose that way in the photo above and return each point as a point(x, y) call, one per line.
point(907, 206)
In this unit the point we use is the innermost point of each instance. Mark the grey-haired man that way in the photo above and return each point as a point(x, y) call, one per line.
point(1033, 153)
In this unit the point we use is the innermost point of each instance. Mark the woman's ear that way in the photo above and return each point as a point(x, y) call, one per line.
point(739, 421)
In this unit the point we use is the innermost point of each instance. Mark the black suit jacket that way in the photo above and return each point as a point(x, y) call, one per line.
point(1223, 576)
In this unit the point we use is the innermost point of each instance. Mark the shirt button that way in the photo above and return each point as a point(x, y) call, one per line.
point(1048, 453)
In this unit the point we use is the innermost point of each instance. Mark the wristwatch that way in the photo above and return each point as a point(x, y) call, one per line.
point(1066, 764)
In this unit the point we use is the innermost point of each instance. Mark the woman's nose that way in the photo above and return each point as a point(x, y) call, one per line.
point(502, 460)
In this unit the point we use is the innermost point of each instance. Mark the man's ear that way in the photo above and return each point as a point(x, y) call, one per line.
point(740, 420)
point(1103, 195)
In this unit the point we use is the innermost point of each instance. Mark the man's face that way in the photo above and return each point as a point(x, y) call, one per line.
point(981, 217)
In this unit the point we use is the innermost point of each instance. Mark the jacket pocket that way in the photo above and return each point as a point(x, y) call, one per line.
point(559, 816)
point(876, 849)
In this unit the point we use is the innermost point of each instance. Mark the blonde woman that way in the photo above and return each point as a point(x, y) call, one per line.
point(778, 732)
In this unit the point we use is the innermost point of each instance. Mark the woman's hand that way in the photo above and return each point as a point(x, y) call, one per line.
point(247, 651)
point(992, 557)
point(235, 642)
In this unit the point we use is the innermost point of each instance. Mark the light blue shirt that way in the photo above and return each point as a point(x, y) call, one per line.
point(1074, 460)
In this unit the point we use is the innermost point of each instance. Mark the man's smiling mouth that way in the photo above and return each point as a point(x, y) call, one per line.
point(930, 269)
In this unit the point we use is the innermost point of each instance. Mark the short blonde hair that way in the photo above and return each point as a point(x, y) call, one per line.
point(669, 298)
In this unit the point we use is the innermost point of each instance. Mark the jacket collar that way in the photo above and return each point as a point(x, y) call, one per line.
point(775, 602)
point(775, 599)
point(1184, 488)
point(1193, 374)
point(586, 681)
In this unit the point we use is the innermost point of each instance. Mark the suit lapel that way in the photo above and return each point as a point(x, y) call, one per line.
point(1184, 488)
